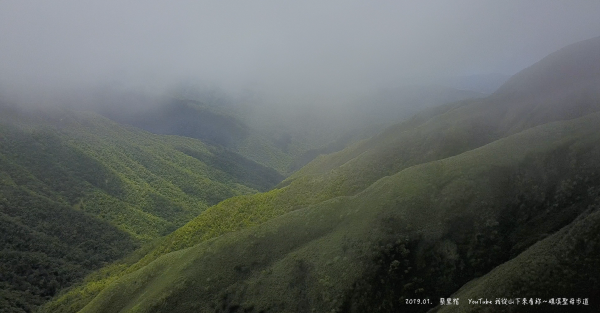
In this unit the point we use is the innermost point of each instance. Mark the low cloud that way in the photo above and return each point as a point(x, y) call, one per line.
point(309, 48)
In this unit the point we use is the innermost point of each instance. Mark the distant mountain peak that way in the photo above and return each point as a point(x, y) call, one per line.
point(567, 68)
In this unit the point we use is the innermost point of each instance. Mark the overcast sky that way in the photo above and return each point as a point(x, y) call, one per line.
point(296, 46)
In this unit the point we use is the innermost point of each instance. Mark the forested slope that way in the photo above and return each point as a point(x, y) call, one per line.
point(78, 191)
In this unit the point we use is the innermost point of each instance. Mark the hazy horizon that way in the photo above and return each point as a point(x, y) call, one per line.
point(283, 49)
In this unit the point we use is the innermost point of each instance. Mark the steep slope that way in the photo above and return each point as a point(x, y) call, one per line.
point(78, 191)
point(461, 126)
point(561, 266)
point(570, 68)
point(348, 180)
point(422, 232)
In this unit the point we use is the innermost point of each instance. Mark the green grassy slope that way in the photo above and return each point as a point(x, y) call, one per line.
point(422, 232)
point(78, 191)
point(441, 133)
point(433, 135)
point(562, 86)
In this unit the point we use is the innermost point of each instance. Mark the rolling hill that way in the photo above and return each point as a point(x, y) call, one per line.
point(78, 191)
point(492, 197)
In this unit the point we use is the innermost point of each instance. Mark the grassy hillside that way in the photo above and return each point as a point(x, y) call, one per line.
point(424, 232)
point(78, 191)
point(418, 210)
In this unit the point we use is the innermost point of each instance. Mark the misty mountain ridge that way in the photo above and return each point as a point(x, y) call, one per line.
point(483, 83)
point(490, 197)
point(284, 139)
point(569, 69)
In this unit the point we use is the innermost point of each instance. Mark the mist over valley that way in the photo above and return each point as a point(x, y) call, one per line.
point(299, 157)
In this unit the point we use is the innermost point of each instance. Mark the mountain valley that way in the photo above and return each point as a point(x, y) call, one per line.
point(481, 198)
